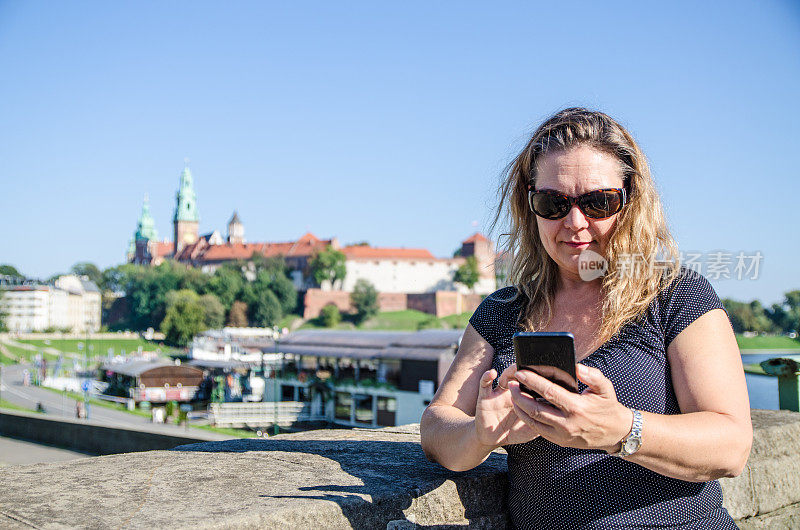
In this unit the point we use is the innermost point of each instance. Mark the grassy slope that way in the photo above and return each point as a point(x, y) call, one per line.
point(767, 343)
point(406, 320)
point(99, 346)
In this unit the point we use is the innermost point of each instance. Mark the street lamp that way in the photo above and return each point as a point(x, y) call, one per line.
point(275, 428)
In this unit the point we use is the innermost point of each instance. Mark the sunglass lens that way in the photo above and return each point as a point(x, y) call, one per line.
point(601, 204)
point(549, 205)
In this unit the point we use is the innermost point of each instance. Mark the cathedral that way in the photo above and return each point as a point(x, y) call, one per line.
point(391, 270)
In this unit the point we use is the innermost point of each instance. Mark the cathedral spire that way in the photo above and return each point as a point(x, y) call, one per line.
point(186, 221)
point(146, 226)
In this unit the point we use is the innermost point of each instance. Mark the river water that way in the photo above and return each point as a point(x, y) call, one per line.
point(763, 389)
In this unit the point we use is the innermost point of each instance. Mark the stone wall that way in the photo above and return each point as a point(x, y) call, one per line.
point(335, 479)
point(439, 303)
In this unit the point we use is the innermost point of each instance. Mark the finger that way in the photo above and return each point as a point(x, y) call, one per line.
point(595, 380)
point(486, 383)
point(557, 395)
point(539, 411)
point(507, 374)
point(543, 429)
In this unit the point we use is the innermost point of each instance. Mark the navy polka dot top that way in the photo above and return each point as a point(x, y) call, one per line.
point(561, 487)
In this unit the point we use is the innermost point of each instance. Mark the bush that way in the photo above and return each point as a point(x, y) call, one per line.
point(330, 316)
point(365, 299)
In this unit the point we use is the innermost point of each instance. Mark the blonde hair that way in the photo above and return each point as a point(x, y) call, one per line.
point(641, 228)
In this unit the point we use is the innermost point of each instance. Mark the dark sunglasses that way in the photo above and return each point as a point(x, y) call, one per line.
point(597, 204)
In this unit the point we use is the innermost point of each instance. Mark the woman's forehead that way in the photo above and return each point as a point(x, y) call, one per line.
point(578, 168)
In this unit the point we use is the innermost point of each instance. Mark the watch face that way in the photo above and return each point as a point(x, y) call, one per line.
point(632, 445)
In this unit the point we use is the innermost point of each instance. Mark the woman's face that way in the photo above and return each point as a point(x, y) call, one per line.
point(574, 172)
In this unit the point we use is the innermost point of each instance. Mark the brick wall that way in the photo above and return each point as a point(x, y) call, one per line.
point(440, 303)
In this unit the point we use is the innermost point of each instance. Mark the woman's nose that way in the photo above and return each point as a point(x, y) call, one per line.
point(575, 219)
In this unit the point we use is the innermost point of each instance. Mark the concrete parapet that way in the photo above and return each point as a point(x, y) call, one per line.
point(334, 479)
point(96, 438)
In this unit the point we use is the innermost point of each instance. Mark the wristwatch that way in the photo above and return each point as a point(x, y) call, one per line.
point(632, 442)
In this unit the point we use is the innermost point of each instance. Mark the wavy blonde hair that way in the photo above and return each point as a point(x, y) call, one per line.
point(641, 228)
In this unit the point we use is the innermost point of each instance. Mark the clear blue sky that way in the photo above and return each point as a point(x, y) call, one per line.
point(385, 122)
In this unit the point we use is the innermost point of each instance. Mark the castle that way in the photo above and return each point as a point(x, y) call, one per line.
point(390, 270)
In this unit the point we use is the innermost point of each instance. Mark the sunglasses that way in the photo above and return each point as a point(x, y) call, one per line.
point(597, 204)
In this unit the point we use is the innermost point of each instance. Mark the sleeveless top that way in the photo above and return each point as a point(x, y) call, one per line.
point(562, 487)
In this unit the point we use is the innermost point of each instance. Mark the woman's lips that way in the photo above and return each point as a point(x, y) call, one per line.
point(578, 245)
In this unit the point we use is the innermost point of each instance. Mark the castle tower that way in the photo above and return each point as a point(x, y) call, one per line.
point(145, 235)
point(481, 247)
point(186, 220)
point(235, 229)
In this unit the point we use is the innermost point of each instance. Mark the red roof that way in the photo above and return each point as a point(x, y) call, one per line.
point(474, 238)
point(201, 251)
point(163, 249)
point(365, 252)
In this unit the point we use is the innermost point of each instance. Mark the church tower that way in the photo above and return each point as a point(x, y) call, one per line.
point(145, 235)
point(235, 229)
point(186, 219)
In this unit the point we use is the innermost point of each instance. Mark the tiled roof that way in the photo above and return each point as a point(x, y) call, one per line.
point(364, 252)
point(163, 249)
point(477, 236)
point(201, 251)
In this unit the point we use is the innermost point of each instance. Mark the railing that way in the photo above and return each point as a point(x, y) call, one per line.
point(264, 414)
point(787, 370)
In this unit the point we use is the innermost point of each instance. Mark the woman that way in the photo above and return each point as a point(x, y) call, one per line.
point(663, 408)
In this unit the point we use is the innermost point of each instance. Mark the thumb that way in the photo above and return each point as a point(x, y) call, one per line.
point(486, 382)
point(595, 380)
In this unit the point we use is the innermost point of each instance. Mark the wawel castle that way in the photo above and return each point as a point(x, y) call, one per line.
point(408, 271)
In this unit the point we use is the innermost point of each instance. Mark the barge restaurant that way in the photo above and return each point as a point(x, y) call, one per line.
point(363, 378)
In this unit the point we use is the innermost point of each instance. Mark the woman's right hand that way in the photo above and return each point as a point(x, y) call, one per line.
point(496, 423)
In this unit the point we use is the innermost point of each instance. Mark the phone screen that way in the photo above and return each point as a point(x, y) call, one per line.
point(549, 354)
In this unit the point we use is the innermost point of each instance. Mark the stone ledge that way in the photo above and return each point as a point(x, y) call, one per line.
point(332, 479)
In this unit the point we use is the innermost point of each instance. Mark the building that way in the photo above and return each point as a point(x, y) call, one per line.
point(396, 270)
point(73, 303)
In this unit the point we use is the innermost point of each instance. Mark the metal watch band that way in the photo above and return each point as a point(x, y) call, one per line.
point(632, 442)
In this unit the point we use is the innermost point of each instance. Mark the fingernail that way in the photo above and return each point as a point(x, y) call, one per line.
point(582, 370)
point(521, 376)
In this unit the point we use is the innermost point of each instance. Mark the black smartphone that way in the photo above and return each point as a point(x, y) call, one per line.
point(549, 354)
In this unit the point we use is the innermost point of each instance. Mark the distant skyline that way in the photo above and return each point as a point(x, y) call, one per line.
point(385, 122)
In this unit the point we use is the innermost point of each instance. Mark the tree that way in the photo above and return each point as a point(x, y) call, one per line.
point(467, 274)
point(365, 300)
point(226, 284)
point(10, 270)
point(90, 270)
point(284, 289)
point(213, 312)
point(3, 313)
point(237, 317)
point(330, 316)
point(265, 311)
point(328, 265)
point(184, 317)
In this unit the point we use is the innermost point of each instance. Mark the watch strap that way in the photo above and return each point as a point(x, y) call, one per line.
point(634, 435)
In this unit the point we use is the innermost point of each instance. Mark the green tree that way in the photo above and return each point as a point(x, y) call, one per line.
point(747, 316)
point(467, 274)
point(265, 310)
point(226, 284)
point(284, 289)
point(184, 317)
point(237, 316)
point(90, 270)
point(330, 316)
point(328, 265)
point(365, 300)
point(213, 311)
point(3, 313)
point(10, 270)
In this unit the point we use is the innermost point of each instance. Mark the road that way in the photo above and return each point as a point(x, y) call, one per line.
point(57, 405)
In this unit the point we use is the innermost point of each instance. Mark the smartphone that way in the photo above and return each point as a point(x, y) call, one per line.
point(549, 354)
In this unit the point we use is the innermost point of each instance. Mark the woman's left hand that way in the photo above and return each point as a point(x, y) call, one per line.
point(593, 419)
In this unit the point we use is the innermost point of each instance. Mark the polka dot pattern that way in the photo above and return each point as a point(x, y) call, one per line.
point(561, 487)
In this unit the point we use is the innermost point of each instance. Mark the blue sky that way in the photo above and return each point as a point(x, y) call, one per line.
point(385, 122)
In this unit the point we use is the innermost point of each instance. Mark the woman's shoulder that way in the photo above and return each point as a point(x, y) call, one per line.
point(687, 297)
point(498, 313)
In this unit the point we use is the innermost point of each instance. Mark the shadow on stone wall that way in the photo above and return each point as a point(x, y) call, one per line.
point(383, 482)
